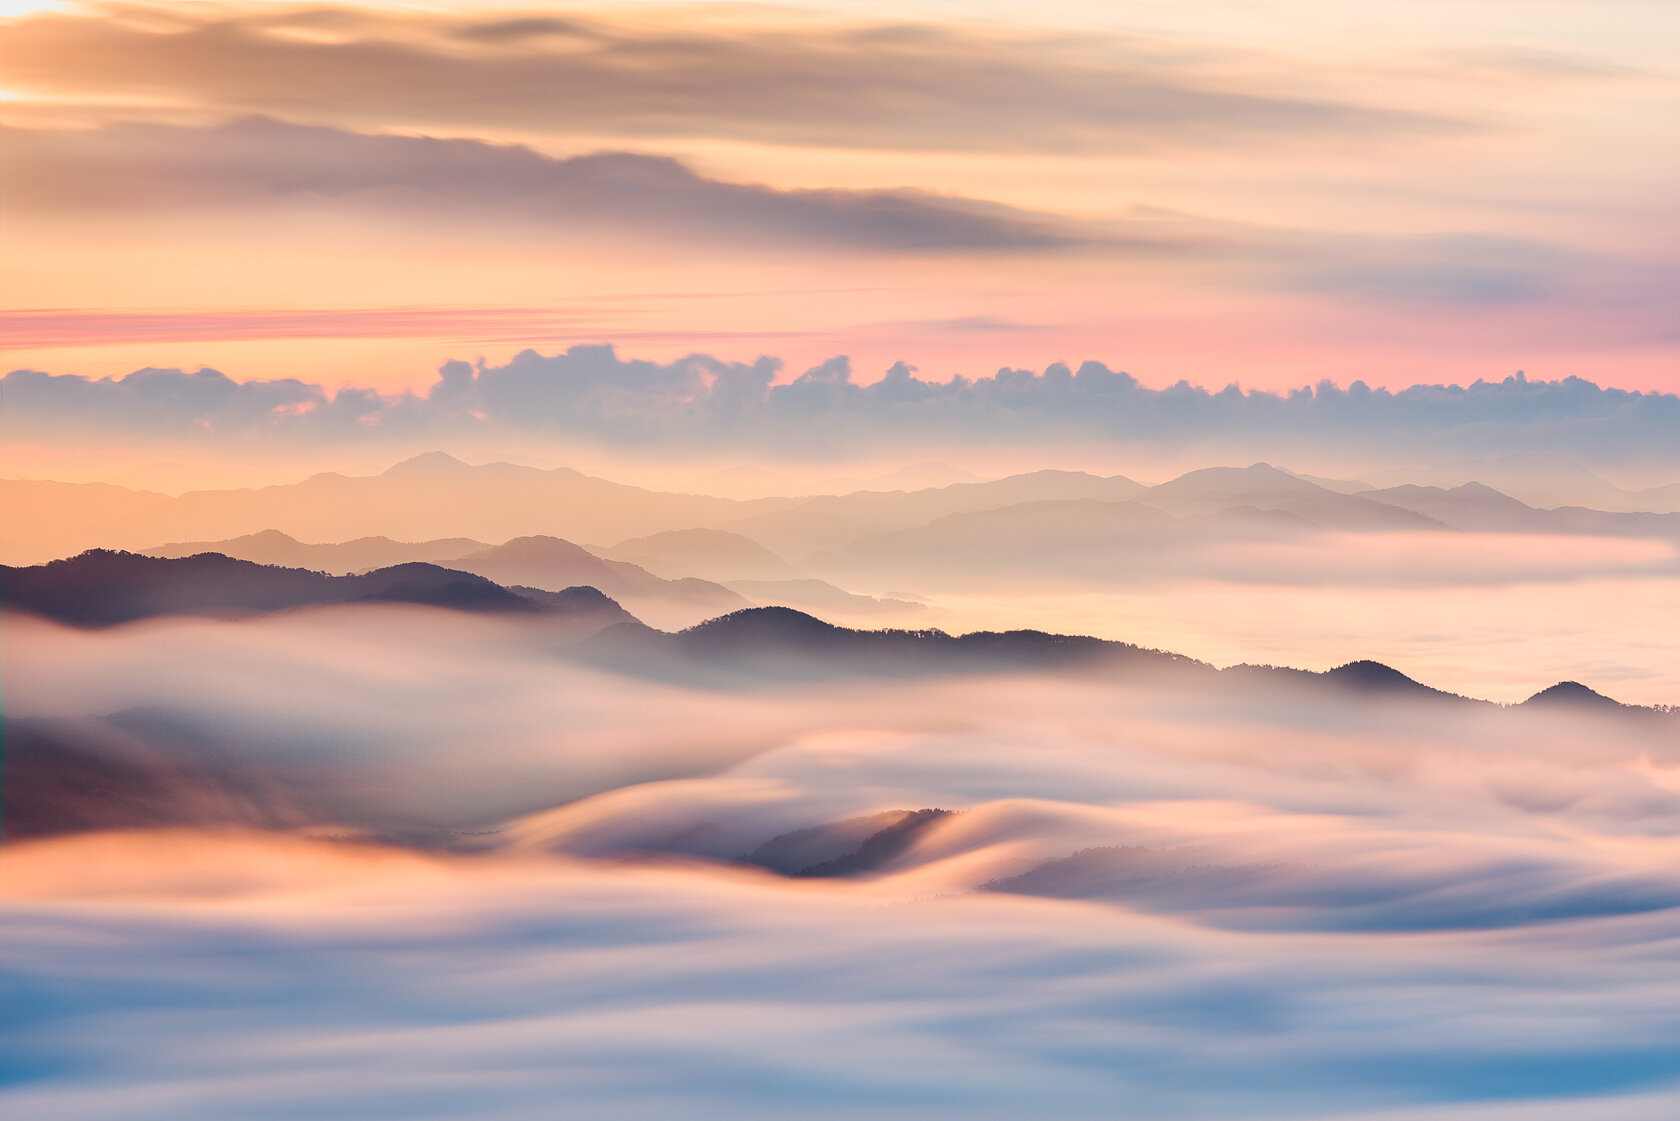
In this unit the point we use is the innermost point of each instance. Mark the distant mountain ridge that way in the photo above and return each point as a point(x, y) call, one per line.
point(271, 546)
point(440, 502)
point(423, 498)
point(779, 644)
point(1475, 507)
point(104, 587)
point(548, 563)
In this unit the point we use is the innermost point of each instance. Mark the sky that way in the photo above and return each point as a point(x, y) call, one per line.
point(1360, 317)
point(1267, 193)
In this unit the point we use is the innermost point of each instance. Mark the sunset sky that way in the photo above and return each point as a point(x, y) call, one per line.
point(1269, 193)
point(943, 560)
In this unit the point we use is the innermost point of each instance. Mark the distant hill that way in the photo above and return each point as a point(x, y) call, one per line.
point(1572, 695)
point(1476, 507)
point(779, 643)
point(828, 522)
point(1542, 480)
point(420, 499)
point(548, 563)
point(1373, 679)
point(101, 588)
point(1080, 538)
point(554, 563)
point(1083, 540)
point(273, 547)
point(821, 597)
point(439, 504)
point(711, 554)
point(1361, 680)
point(1261, 486)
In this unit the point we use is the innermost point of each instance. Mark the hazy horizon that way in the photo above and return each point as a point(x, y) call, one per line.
point(638, 560)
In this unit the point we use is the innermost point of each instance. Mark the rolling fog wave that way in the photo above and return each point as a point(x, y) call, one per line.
point(347, 986)
point(1102, 897)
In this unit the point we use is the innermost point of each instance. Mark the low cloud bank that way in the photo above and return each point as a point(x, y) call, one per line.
point(704, 404)
point(1203, 905)
point(393, 989)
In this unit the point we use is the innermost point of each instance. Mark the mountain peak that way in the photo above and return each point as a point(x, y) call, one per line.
point(1373, 677)
point(427, 463)
point(537, 546)
point(763, 622)
point(1572, 694)
point(1248, 478)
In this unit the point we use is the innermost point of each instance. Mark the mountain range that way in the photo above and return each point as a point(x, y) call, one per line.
point(135, 769)
point(552, 563)
point(448, 509)
point(102, 587)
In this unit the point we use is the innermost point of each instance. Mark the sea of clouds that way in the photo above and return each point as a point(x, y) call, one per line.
point(1149, 901)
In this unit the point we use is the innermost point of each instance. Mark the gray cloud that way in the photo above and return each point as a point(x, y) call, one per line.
point(252, 166)
point(260, 161)
point(701, 403)
point(882, 86)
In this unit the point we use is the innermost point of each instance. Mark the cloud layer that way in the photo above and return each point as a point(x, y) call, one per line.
point(701, 403)
point(1210, 906)
point(774, 80)
point(260, 162)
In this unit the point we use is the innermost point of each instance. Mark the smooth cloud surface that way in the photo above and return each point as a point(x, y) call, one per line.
point(1226, 905)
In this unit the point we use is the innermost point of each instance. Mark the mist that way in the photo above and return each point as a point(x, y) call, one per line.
point(514, 880)
point(745, 562)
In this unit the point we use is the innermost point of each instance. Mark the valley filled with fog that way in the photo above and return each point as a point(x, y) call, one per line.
point(1213, 798)
point(648, 561)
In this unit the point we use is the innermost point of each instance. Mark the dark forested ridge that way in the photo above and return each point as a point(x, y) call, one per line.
point(102, 588)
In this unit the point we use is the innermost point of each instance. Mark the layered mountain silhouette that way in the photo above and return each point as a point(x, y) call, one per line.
point(822, 597)
point(1261, 486)
point(553, 563)
point(1475, 507)
point(421, 499)
point(1362, 679)
point(1081, 538)
point(1086, 541)
point(140, 772)
point(547, 563)
point(1540, 479)
point(827, 522)
point(779, 643)
point(711, 554)
point(341, 558)
point(102, 587)
point(449, 509)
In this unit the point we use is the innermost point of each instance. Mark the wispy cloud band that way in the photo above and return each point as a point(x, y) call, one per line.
point(779, 80)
